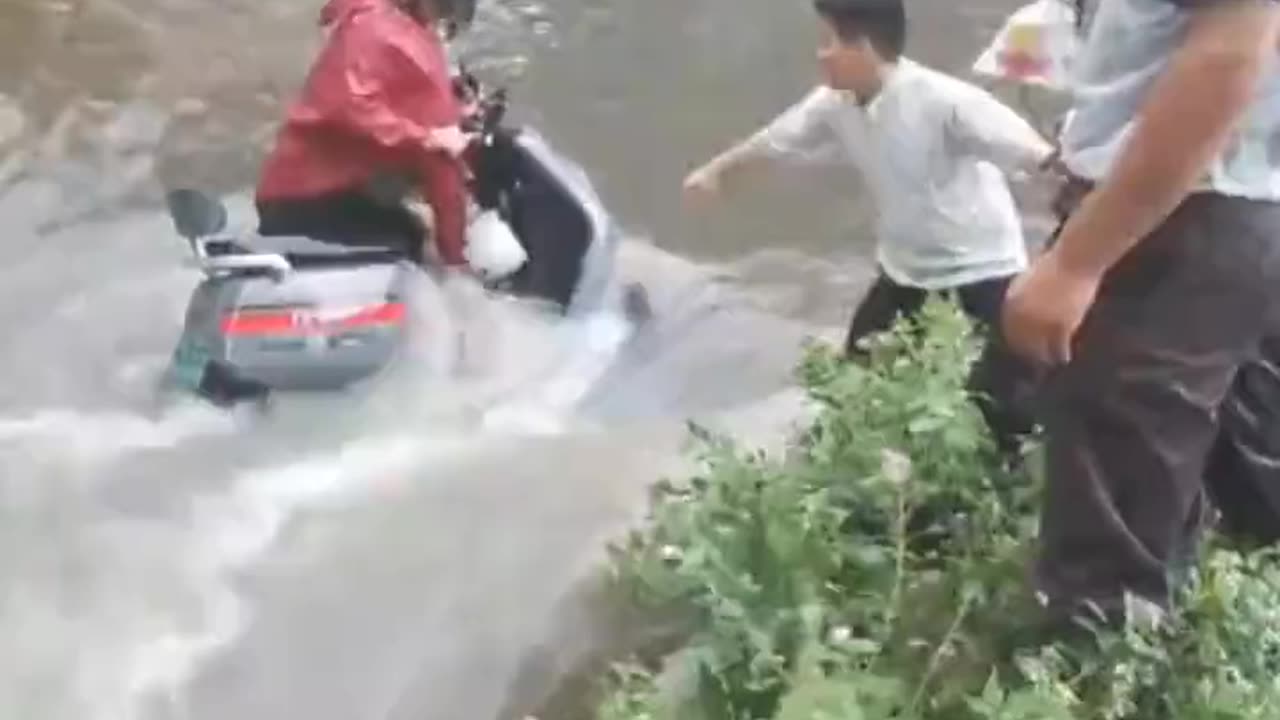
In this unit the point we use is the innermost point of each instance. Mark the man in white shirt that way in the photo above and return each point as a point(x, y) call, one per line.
point(934, 152)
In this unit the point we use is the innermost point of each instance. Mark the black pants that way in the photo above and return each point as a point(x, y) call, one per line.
point(352, 217)
point(1172, 398)
point(887, 301)
point(1003, 385)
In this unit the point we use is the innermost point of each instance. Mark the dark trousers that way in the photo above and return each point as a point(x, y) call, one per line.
point(1172, 398)
point(1002, 384)
point(354, 217)
point(887, 301)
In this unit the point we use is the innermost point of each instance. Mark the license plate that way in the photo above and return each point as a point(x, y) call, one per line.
point(189, 363)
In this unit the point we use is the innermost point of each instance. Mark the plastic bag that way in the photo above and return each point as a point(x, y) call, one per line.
point(1035, 46)
point(493, 250)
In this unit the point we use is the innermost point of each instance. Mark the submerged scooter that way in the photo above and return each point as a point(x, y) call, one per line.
point(294, 314)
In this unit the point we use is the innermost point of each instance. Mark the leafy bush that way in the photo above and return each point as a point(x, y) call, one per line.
point(877, 571)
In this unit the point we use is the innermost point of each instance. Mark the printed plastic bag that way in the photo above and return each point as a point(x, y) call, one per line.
point(493, 250)
point(1035, 46)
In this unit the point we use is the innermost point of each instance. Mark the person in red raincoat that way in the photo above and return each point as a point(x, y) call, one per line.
point(378, 104)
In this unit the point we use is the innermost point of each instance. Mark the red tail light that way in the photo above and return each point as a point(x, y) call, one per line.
point(308, 321)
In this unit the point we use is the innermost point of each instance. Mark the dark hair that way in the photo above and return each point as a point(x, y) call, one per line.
point(882, 22)
point(453, 15)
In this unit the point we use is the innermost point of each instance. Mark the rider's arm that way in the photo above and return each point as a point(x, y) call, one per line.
point(444, 176)
point(804, 131)
point(445, 190)
point(361, 62)
point(1185, 122)
point(981, 126)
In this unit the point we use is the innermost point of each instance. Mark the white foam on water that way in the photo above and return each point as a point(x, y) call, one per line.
point(521, 368)
point(12, 120)
point(230, 532)
point(94, 438)
point(149, 621)
point(547, 406)
point(481, 371)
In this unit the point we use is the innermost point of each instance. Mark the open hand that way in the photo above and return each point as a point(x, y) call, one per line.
point(702, 187)
point(1054, 165)
point(450, 139)
point(1045, 307)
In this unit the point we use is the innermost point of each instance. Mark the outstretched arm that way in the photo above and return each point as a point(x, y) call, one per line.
point(804, 130)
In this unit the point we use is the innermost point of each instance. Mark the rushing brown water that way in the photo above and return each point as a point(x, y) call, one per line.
point(391, 558)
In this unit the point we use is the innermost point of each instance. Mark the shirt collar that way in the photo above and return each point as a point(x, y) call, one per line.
point(893, 78)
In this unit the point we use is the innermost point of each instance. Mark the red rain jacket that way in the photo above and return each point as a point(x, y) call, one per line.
point(380, 82)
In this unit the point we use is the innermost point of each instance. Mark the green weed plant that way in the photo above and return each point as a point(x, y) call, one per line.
point(878, 570)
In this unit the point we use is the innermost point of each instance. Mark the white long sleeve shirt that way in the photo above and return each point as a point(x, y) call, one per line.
point(934, 151)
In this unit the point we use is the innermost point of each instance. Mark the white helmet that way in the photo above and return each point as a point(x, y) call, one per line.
point(493, 251)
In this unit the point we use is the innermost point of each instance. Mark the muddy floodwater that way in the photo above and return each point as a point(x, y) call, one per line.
point(390, 556)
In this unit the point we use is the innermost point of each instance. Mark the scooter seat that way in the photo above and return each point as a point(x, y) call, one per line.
point(302, 252)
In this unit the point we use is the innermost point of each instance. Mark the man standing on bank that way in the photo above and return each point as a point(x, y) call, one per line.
point(1158, 305)
point(936, 153)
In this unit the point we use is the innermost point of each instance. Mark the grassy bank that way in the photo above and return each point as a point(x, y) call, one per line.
point(879, 570)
